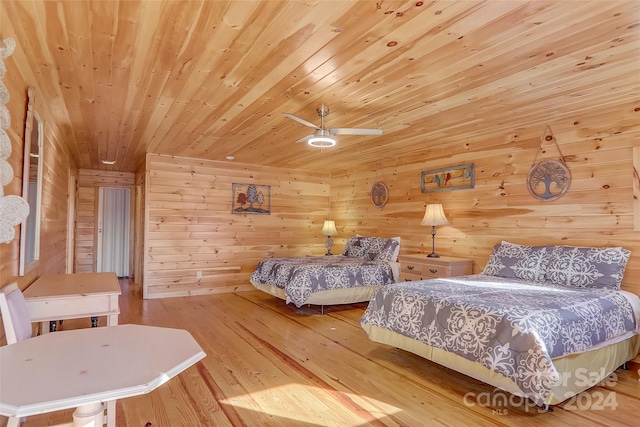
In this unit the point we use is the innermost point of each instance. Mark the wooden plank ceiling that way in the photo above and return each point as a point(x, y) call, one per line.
point(211, 79)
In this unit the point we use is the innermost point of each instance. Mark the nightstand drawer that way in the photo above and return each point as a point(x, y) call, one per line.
point(407, 277)
point(421, 267)
point(425, 271)
point(432, 271)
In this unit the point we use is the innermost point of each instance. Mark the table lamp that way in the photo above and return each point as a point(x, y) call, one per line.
point(329, 229)
point(434, 216)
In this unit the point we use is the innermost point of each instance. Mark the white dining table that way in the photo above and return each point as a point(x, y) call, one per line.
point(84, 368)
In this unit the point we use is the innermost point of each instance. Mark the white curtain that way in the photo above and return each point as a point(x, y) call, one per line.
point(115, 217)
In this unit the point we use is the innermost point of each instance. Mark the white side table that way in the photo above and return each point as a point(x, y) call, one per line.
point(72, 296)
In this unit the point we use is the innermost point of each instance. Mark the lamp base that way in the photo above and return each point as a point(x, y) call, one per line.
point(433, 253)
point(327, 244)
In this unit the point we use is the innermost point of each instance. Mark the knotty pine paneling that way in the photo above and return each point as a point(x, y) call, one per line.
point(206, 79)
point(473, 82)
point(139, 227)
point(636, 187)
point(89, 182)
point(189, 226)
point(16, 86)
point(57, 167)
point(598, 209)
point(56, 171)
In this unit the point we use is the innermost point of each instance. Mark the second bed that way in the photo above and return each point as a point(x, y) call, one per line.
point(366, 264)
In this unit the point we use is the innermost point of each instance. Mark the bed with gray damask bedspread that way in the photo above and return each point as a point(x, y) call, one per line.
point(532, 337)
point(366, 264)
point(299, 278)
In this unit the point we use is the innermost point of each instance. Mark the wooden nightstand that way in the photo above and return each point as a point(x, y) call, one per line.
point(420, 267)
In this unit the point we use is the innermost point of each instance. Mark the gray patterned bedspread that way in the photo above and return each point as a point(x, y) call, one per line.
point(300, 277)
point(509, 326)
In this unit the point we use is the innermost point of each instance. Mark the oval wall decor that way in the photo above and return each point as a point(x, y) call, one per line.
point(548, 180)
point(379, 194)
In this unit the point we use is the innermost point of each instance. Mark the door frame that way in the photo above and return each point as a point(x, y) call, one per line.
point(72, 199)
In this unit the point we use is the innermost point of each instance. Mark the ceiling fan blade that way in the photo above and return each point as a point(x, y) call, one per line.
point(306, 138)
point(355, 131)
point(299, 120)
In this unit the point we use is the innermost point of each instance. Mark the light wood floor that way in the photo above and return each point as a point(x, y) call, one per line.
point(270, 364)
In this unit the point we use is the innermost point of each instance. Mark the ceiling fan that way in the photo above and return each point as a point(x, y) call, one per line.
point(323, 137)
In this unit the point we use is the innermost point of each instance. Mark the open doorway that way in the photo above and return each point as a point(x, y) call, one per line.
point(114, 230)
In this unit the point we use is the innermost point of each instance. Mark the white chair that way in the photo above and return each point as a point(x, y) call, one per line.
point(17, 327)
point(16, 321)
point(15, 314)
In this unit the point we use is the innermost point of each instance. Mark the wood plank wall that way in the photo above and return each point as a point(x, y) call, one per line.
point(10, 252)
point(89, 183)
point(57, 168)
point(56, 172)
point(190, 227)
point(139, 227)
point(598, 209)
point(636, 188)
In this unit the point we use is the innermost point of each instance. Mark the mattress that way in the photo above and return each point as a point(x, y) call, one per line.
point(508, 332)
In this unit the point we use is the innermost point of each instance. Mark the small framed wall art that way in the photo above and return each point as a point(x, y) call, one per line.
point(379, 194)
point(448, 179)
point(251, 199)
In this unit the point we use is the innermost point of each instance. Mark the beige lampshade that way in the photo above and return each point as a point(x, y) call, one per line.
point(329, 228)
point(434, 215)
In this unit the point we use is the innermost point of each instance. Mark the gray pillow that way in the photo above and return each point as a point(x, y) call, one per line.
point(372, 248)
point(518, 261)
point(383, 249)
point(587, 267)
point(355, 247)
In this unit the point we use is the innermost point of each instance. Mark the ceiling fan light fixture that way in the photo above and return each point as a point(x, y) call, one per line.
point(321, 141)
point(323, 137)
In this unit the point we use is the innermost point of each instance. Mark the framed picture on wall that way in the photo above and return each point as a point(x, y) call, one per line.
point(379, 194)
point(251, 199)
point(448, 179)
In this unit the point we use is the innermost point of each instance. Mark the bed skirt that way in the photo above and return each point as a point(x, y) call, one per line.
point(596, 365)
point(328, 297)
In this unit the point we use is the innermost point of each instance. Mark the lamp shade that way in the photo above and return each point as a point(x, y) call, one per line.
point(434, 215)
point(329, 228)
